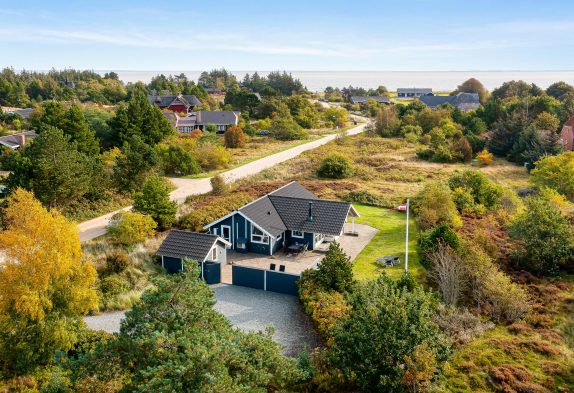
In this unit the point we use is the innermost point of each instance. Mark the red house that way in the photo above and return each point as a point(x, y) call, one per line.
point(175, 103)
point(567, 134)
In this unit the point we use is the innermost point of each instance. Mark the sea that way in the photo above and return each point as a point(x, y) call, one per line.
point(437, 80)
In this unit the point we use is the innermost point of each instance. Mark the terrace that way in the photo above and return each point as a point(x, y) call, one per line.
point(297, 263)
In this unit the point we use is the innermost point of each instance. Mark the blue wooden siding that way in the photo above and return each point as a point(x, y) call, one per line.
point(211, 270)
point(172, 265)
point(241, 228)
point(307, 238)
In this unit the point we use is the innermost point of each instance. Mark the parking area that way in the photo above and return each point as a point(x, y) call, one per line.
point(250, 310)
point(253, 310)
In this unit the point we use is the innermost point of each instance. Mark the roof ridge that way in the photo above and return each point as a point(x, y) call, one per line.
point(307, 199)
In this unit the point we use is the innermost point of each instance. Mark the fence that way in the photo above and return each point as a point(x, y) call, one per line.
point(267, 280)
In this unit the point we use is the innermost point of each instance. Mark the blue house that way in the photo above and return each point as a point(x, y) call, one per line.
point(287, 216)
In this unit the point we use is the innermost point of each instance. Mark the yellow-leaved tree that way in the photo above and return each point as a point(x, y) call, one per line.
point(45, 287)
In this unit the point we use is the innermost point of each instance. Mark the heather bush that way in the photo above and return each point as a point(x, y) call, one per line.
point(335, 166)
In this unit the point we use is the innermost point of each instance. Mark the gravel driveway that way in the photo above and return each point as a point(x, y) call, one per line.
point(250, 310)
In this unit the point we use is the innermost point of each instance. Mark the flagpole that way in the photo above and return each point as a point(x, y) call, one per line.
point(407, 241)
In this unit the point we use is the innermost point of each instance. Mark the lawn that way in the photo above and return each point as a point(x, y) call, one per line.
point(390, 240)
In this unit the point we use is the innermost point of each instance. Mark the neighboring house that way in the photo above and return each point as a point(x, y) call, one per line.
point(213, 91)
point(24, 112)
point(413, 92)
point(221, 119)
point(291, 214)
point(362, 99)
point(464, 101)
point(567, 134)
point(204, 248)
point(175, 103)
point(16, 141)
point(199, 120)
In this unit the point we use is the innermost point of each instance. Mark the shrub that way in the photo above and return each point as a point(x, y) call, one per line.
point(286, 129)
point(117, 262)
point(429, 240)
point(483, 191)
point(211, 156)
point(545, 239)
point(491, 289)
point(113, 285)
point(335, 271)
point(234, 137)
point(154, 200)
point(129, 228)
point(460, 325)
point(484, 158)
point(211, 128)
point(385, 325)
point(365, 198)
point(196, 133)
point(218, 185)
point(461, 149)
point(175, 160)
point(434, 206)
point(335, 166)
point(555, 172)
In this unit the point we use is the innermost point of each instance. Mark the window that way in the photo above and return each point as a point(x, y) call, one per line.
point(319, 237)
point(258, 236)
point(280, 236)
point(214, 254)
point(226, 232)
point(221, 127)
point(297, 234)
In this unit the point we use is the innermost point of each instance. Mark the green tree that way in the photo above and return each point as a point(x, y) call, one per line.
point(45, 287)
point(472, 85)
point(154, 200)
point(434, 206)
point(132, 167)
point(556, 172)
point(560, 90)
point(176, 160)
point(483, 191)
point(55, 170)
point(547, 121)
point(335, 272)
point(335, 166)
point(284, 128)
point(142, 119)
point(385, 325)
point(76, 127)
point(545, 238)
point(174, 341)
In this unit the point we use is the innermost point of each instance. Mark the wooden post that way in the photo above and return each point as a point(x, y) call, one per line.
point(353, 227)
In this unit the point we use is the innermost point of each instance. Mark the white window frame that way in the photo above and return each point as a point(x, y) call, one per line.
point(301, 236)
point(262, 238)
point(279, 237)
point(221, 127)
point(214, 254)
point(223, 232)
point(319, 237)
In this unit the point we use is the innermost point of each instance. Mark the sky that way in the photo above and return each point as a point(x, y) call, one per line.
point(359, 35)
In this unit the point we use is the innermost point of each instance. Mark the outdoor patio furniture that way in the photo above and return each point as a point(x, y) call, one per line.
point(272, 266)
point(282, 268)
point(296, 247)
point(386, 261)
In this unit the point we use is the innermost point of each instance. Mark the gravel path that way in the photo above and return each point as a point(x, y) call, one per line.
point(250, 310)
point(97, 226)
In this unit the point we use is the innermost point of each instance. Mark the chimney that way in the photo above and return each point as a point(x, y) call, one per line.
point(310, 217)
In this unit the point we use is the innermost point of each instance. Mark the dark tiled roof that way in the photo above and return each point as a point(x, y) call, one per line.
point(294, 190)
point(287, 208)
point(166, 100)
point(182, 244)
point(362, 99)
point(328, 216)
point(414, 90)
point(263, 213)
point(216, 117)
point(13, 141)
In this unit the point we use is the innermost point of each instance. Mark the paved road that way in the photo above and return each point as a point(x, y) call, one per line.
point(249, 310)
point(185, 187)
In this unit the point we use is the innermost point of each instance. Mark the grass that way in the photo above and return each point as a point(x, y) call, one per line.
point(390, 240)
point(261, 147)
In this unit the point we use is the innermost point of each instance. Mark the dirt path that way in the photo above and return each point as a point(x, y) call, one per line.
point(185, 187)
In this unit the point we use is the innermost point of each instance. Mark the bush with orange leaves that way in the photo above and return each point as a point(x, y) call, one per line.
point(484, 158)
point(234, 137)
